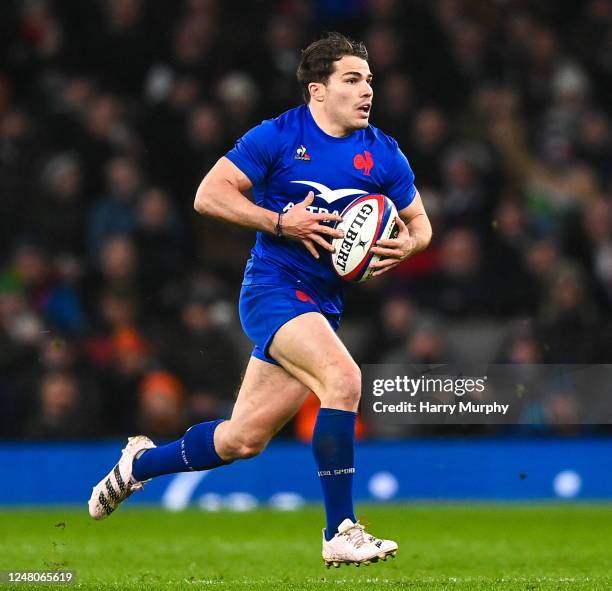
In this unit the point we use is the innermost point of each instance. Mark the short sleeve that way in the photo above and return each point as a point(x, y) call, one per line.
point(399, 185)
point(255, 152)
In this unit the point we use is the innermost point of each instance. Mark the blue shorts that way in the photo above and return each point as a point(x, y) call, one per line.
point(265, 308)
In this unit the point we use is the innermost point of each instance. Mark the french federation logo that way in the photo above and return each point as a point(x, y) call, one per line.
point(302, 153)
point(364, 162)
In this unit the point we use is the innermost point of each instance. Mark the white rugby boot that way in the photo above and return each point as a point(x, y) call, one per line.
point(119, 483)
point(353, 545)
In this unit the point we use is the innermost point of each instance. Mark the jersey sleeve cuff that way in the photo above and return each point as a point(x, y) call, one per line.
point(243, 165)
point(406, 199)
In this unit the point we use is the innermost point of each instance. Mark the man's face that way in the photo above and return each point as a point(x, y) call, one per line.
point(347, 95)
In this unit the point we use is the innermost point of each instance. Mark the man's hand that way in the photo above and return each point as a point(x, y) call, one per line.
point(395, 250)
point(306, 227)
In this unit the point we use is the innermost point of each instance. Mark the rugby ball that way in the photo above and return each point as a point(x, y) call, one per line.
point(364, 221)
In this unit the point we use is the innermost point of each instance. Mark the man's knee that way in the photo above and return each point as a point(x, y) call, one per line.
point(251, 447)
point(342, 387)
point(243, 443)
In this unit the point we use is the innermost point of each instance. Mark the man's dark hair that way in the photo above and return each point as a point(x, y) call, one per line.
point(318, 59)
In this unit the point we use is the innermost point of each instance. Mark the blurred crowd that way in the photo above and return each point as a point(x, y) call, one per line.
point(117, 302)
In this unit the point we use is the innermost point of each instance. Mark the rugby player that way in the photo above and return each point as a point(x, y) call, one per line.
point(291, 299)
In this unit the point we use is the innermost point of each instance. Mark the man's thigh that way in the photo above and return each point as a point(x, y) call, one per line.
point(309, 349)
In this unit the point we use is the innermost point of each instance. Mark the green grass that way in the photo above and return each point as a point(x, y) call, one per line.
point(455, 547)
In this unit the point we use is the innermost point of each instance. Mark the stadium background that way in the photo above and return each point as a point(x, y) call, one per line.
point(118, 303)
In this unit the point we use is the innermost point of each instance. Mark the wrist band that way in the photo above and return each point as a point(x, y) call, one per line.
point(278, 230)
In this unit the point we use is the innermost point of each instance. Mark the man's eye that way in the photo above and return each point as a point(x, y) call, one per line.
point(351, 80)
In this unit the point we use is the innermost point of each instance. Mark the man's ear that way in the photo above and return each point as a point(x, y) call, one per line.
point(317, 91)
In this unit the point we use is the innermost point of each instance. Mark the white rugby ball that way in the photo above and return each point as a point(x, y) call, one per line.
point(364, 221)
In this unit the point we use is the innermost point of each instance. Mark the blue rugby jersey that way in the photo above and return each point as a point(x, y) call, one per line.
point(285, 158)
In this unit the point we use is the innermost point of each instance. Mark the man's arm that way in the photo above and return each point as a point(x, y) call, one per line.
point(414, 236)
point(418, 223)
point(220, 195)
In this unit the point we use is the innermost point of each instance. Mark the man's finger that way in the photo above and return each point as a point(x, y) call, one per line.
point(386, 252)
point(309, 199)
point(328, 217)
point(388, 243)
point(310, 247)
point(384, 264)
point(321, 242)
point(329, 231)
point(400, 222)
point(392, 263)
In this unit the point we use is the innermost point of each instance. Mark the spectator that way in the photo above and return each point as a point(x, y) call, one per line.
point(458, 288)
point(55, 300)
point(161, 405)
point(131, 357)
point(64, 412)
point(206, 359)
point(515, 293)
point(114, 212)
point(390, 329)
point(424, 345)
point(59, 210)
point(159, 244)
point(429, 139)
point(593, 141)
point(568, 320)
point(119, 265)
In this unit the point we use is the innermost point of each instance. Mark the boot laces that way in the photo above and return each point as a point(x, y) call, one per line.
point(355, 535)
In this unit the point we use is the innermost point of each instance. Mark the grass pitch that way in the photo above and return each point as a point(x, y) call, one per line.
point(454, 547)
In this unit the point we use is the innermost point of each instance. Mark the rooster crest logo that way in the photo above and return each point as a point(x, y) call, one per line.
point(364, 162)
point(302, 153)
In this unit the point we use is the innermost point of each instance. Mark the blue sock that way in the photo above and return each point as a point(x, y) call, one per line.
point(333, 445)
point(194, 451)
